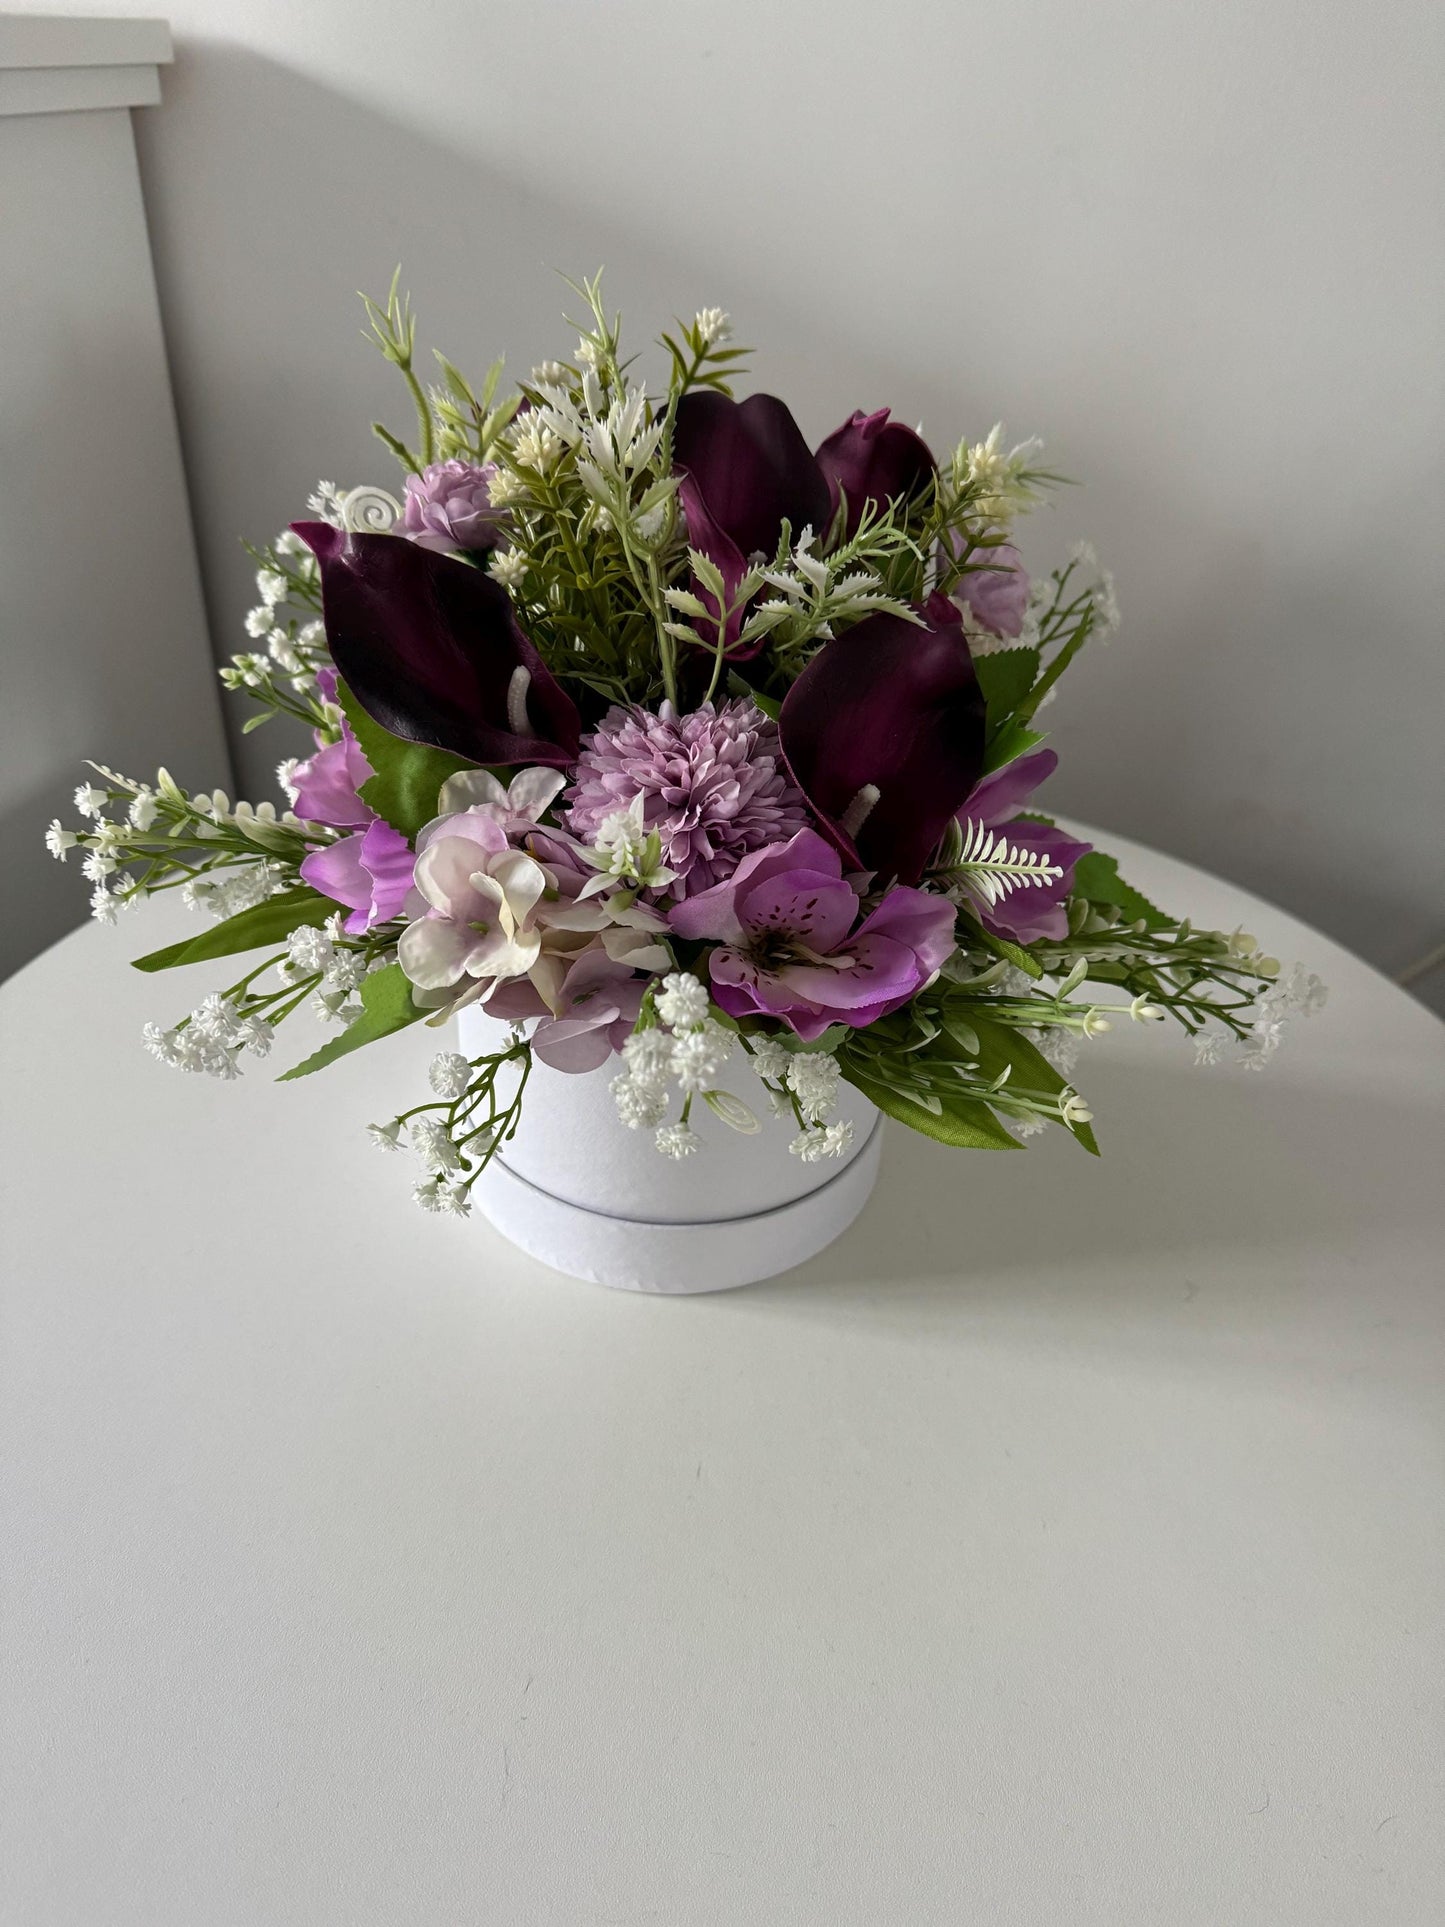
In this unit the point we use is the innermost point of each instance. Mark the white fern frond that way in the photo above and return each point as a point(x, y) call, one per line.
point(988, 866)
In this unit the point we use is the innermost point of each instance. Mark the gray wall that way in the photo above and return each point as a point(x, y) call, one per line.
point(103, 649)
point(1197, 247)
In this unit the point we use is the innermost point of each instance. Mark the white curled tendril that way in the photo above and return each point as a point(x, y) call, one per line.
point(371, 511)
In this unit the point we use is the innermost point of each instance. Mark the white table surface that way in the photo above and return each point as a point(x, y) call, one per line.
point(1064, 1547)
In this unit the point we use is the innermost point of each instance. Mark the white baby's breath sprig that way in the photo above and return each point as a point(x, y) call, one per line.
point(682, 1001)
point(817, 1141)
point(677, 1140)
point(813, 1078)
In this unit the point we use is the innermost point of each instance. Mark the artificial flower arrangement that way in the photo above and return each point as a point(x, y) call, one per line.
point(670, 741)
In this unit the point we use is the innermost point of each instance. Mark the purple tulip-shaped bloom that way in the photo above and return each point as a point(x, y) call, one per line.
point(449, 507)
point(430, 648)
point(1033, 910)
point(884, 734)
point(745, 470)
point(871, 460)
point(326, 788)
point(370, 871)
point(994, 590)
point(790, 945)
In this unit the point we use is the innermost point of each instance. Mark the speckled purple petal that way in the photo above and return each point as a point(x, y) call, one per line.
point(811, 908)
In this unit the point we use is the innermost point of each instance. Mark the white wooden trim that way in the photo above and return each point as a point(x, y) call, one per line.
point(55, 66)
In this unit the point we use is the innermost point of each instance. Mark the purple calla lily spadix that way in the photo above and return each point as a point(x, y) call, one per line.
point(698, 755)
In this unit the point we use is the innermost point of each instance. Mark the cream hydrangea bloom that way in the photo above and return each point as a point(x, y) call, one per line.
point(497, 913)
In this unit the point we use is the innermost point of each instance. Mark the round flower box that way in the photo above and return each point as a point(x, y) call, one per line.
point(579, 1190)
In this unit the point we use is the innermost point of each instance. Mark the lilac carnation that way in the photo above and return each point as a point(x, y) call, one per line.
point(713, 786)
point(449, 507)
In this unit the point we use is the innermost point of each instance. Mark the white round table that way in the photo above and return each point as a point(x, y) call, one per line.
point(1063, 1547)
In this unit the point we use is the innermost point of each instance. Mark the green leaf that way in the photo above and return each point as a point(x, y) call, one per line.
point(963, 1122)
point(827, 1040)
point(964, 1035)
point(1010, 742)
point(769, 705)
point(1005, 678)
point(1097, 878)
point(1014, 953)
point(1001, 1047)
point(386, 1006)
point(408, 776)
point(266, 922)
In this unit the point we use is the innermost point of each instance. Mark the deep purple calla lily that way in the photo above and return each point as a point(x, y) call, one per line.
point(431, 650)
point(884, 734)
point(872, 459)
point(751, 465)
point(745, 470)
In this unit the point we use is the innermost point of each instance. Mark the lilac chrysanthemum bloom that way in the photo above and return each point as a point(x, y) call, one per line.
point(449, 507)
point(713, 785)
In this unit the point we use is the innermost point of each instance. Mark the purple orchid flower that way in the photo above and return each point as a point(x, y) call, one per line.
point(1036, 910)
point(884, 734)
point(872, 460)
point(430, 648)
point(784, 924)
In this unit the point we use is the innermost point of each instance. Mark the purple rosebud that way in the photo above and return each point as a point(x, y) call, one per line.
point(995, 589)
point(449, 507)
point(884, 734)
point(873, 460)
point(431, 649)
point(786, 943)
